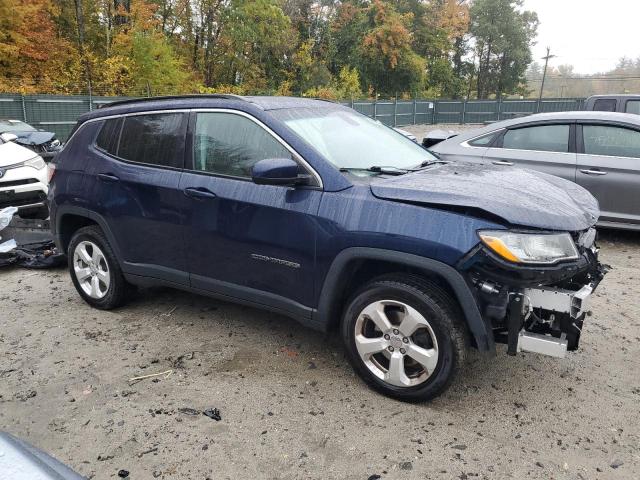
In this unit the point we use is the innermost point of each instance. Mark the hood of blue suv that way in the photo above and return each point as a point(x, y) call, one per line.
point(520, 197)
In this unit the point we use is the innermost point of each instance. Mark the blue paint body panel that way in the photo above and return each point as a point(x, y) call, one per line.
point(266, 245)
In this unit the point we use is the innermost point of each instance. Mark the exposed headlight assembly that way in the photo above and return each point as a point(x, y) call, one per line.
point(537, 248)
point(35, 162)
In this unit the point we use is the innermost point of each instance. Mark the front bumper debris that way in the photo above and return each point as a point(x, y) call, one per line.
point(533, 309)
point(559, 300)
point(543, 344)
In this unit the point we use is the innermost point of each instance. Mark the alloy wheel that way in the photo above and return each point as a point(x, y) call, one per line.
point(396, 343)
point(91, 269)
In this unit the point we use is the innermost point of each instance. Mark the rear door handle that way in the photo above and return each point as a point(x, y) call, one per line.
point(107, 177)
point(200, 193)
point(502, 162)
point(593, 172)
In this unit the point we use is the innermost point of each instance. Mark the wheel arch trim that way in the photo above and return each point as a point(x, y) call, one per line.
point(62, 211)
point(331, 287)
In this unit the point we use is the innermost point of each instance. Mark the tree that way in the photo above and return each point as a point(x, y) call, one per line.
point(34, 59)
point(389, 64)
point(503, 36)
point(142, 59)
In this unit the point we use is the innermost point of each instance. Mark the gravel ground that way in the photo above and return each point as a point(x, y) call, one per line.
point(291, 406)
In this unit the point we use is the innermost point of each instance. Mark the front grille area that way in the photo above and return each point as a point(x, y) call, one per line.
point(15, 183)
point(12, 199)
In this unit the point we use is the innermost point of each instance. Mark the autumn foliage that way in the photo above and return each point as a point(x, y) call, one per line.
point(325, 48)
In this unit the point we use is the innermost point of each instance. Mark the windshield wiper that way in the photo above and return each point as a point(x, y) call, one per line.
point(387, 170)
point(428, 163)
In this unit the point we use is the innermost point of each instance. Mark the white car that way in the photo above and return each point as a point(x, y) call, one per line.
point(24, 179)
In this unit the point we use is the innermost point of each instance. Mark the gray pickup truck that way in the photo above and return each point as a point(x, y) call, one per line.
point(614, 103)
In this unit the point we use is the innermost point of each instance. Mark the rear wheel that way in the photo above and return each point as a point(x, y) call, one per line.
point(95, 270)
point(404, 337)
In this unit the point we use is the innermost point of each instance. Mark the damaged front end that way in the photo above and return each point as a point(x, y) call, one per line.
point(535, 301)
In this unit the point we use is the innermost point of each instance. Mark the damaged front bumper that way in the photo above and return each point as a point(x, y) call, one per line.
point(538, 309)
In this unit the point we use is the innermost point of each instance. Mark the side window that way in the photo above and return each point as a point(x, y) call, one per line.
point(230, 144)
point(109, 135)
point(156, 139)
point(611, 141)
point(485, 140)
point(605, 105)
point(544, 138)
point(633, 106)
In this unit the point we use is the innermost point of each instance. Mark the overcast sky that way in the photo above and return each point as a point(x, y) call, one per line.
point(591, 35)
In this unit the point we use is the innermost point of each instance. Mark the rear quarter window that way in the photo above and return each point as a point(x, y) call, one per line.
point(485, 140)
point(109, 135)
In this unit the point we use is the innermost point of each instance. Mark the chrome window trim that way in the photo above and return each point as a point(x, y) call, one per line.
point(291, 150)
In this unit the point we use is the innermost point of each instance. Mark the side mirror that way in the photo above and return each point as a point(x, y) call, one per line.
point(8, 137)
point(278, 171)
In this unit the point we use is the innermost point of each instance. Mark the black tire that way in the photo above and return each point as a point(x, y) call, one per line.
point(437, 307)
point(116, 292)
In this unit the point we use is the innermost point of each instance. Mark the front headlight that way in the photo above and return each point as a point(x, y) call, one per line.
point(35, 162)
point(540, 248)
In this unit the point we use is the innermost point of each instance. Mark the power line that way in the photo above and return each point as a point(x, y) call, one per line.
point(607, 79)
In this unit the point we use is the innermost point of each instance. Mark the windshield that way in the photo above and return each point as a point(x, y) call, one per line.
point(350, 140)
point(15, 126)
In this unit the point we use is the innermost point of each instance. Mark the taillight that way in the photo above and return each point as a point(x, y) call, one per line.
point(51, 171)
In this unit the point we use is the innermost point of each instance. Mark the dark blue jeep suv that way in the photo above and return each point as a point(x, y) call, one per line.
point(312, 210)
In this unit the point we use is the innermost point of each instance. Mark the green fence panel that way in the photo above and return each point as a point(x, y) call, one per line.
point(11, 107)
point(59, 113)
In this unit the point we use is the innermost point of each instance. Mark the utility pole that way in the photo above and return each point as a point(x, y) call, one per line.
point(544, 74)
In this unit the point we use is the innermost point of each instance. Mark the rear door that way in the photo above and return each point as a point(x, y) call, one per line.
point(609, 167)
point(547, 148)
point(135, 173)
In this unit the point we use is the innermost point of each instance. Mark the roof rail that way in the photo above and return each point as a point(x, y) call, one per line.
point(228, 96)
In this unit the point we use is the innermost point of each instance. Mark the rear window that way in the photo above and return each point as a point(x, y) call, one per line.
point(109, 134)
point(605, 105)
point(156, 139)
point(611, 141)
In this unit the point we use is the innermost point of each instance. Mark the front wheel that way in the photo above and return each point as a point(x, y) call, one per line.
point(404, 336)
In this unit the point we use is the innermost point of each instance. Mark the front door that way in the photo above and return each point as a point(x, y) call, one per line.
point(135, 173)
point(546, 148)
point(609, 167)
point(244, 240)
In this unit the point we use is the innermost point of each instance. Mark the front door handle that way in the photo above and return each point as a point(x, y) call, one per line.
point(593, 172)
point(502, 162)
point(107, 177)
point(199, 193)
